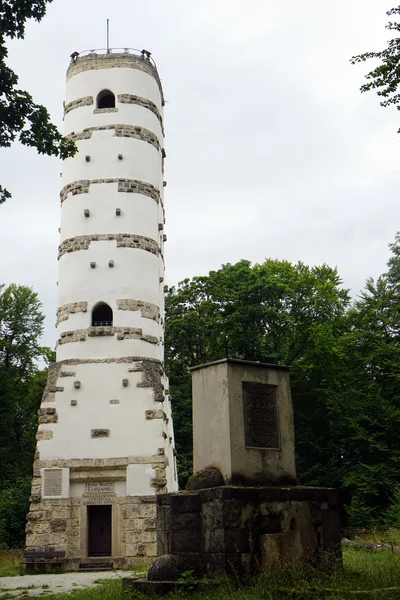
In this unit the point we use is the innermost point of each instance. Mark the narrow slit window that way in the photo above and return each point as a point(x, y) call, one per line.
point(106, 99)
point(102, 315)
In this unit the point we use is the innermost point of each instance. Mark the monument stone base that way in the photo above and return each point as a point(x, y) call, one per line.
point(244, 530)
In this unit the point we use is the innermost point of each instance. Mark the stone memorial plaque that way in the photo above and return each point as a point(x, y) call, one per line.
point(96, 487)
point(97, 499)
point(52, 483)
point(99, 492)
point(261, 424)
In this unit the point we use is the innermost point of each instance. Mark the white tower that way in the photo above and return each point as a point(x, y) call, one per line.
point(105, 437)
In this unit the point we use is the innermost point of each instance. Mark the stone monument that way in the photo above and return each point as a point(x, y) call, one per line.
point(243, 422)
point(243, 509)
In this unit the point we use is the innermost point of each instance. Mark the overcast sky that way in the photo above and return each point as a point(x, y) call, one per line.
point(271, 149)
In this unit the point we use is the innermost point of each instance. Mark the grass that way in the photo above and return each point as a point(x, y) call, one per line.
point(10, 563)
point(389, 536)
point(365, 574)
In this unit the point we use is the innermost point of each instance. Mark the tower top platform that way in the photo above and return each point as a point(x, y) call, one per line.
point(108, 58)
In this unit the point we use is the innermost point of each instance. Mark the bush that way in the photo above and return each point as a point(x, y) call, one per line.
point(14, 505)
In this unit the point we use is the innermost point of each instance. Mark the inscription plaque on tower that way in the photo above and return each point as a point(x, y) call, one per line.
point(261, 424)
point(52, 484)
point(96, 487)
point(99, 492)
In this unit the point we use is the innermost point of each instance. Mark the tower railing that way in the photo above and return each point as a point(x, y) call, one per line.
point(144, 54)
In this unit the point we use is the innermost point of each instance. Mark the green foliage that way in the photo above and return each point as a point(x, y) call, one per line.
point(20, 117)
point(385, 78)
point(368, 406)
point(187, 581)
point(21, 388)
point(14, 506)
point(21, 382)
point(21, 325)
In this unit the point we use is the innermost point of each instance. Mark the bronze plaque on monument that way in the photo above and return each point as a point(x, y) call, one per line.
point(261, 424)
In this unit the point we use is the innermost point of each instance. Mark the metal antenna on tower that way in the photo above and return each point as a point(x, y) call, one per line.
point(108, 36)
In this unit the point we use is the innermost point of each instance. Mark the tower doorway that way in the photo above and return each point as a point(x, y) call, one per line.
point(99, 530)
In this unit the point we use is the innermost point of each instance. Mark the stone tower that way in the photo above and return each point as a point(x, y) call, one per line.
point(105, 443)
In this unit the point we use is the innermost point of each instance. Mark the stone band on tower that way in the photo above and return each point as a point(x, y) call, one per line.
point(105, 437)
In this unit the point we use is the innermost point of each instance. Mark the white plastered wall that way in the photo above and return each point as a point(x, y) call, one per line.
point(138, 213)
point(130, 433)
point(135, 276)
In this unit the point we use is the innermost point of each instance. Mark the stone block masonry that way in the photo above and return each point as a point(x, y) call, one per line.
point(86, 101)
point(147, 309)
point(100, 433)
point(95, 61)
point(132, 99)
point(54, 524)
point(49, 393)
point(47, 415)
point(155, 414)
point(100, 111)
point(123, 333)
point(43, 435)
point(124, 240)
point(132, 186)
point(64, 311)
point(130, 131)
point(240, 530)
point(76, 187)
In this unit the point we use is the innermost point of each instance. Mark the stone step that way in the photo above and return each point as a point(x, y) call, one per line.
point(96, 565)
point(98, 568)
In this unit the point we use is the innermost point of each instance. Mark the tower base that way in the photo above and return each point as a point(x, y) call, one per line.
point(69, 534)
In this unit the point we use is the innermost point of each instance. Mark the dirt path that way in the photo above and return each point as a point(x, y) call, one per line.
point(36, 585)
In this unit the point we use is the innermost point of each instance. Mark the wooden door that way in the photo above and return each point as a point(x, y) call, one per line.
point(99, 530)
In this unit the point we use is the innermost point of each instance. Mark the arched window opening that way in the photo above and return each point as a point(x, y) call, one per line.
point(102, 316)
point(106, 99)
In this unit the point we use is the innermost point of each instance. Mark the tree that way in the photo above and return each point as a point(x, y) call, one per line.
point(19, 115)
point(385, 78)
point(21, 325)
point(21, 388)
point(14, 506)
point(276, 312)
point(368, 403)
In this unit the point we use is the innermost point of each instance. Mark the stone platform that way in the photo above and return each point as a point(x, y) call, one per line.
point(240, 530)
